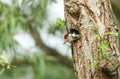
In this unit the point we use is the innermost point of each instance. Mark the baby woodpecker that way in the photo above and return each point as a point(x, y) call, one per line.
point(73, 36)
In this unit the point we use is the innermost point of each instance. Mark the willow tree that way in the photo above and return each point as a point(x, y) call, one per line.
point(96, 53)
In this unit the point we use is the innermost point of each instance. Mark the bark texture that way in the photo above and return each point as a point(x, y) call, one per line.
point(96, 54)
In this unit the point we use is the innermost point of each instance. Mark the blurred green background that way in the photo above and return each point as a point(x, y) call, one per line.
point(31, 40)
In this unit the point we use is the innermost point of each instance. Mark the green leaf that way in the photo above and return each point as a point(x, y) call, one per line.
point(105, 55)
point(59, 22)
point(104, 48)
point(4, 62)
point(12, 24)
point(97, 36)
point(43, 3)
point(104, 45)
point(96, 62)
point(22, 22)
point(59, 25)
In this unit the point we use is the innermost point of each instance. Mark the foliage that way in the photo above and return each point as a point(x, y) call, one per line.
point(8, 24)
point(59, 25)
point(103, 47)
point(14, 17)
point(43, 67)
point(4, 63)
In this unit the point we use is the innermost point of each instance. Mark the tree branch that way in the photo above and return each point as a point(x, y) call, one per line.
point(49, 51)
point(20, 62)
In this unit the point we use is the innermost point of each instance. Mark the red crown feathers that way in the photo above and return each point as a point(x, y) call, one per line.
point(65, 35)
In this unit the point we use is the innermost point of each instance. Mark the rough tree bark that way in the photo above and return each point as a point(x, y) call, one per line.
point(96, 54)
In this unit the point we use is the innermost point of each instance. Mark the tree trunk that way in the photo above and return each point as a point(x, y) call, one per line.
point(95, 54)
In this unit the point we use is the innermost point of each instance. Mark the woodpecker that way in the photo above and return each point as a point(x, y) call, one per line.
point(72, 36)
